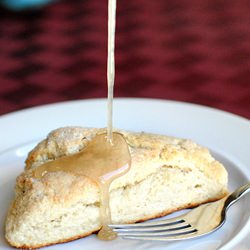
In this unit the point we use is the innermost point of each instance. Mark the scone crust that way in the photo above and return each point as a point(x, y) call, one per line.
point(144, 147)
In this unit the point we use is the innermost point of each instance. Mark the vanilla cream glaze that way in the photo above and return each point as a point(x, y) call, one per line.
point(107, 156)
point(101, 161)
point(111, 63)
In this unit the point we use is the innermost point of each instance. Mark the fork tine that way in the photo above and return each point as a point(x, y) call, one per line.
point(171, 221)
point(162, 233)
point(188, 235)
point(155, 228)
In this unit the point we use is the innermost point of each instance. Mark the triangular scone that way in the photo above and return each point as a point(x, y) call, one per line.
point(167, 174)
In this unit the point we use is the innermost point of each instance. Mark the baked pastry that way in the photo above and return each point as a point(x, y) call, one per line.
point(167, 174)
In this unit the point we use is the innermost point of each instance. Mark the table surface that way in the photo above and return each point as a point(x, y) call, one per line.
point(192, 51)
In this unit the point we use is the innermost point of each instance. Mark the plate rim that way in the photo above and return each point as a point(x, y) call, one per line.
point(119, 99)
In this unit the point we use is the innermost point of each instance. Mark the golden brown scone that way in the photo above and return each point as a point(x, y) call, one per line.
point(167, 174)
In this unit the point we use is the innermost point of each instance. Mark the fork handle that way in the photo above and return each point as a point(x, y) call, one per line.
point(237, 194)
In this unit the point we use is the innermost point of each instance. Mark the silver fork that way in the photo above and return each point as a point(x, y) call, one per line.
point(199, 221)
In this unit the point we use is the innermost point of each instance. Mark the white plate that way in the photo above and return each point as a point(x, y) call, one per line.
point(227, 135)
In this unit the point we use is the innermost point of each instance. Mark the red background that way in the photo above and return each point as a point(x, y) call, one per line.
point(186, 50)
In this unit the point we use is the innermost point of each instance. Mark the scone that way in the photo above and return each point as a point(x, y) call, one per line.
point(167, 174)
